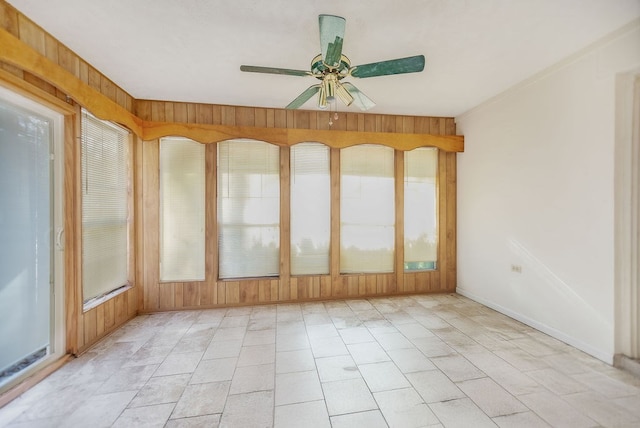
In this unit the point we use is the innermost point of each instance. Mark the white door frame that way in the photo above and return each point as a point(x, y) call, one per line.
point(627, 215)
point(57, 340)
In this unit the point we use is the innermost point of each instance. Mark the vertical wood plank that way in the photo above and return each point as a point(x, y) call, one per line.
point(178, 296)
point(221, 292)
point(166, 295)
point(245, 116)
point(388, 124)
point(249, 291)
point(334, 255)
point(443, 226)
point(301, 119)
point(285, 223)
point(399, 226)
point(68, 60)
point(138, 218)
point(180, 112)
point(204, 114)
point(151, 210)
point(132, 301)
point(434, 125)
point(157, 111)
point(211, 221)
point(270, 117)
point(9, 19)
point(72, 227)
point(228, 115)
point(100, 320)
point(352, 121)
point(123, 99)
point(51, 48)
point(233, 292)
point(260, 117)
point(451, 214)
point(279, 118)
point(31, 34)
point(143, 109)
point(325, 286)
point(216, 115)
point(108, 88)
point(369, 123)
point(293, 289)
point(95, 79)
point(408, 123)
point(109, 314)
point(192, 116)
point(120, 306)
point(409, 285)
point(421, 125)
point(191, 294)
point(90, 326)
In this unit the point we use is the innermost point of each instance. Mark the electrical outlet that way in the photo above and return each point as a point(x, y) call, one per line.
point(516, 268)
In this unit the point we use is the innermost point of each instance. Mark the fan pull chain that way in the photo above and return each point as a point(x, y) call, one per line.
point(333, 116)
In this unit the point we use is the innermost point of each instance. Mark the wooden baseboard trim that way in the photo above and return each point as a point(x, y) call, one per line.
point(13, 393)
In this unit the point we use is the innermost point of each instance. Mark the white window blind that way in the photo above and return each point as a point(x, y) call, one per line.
point(248, 209)
point(367, 213)
point(105, 207)
point(310, 209)
point(420, 227)
point(182, 210)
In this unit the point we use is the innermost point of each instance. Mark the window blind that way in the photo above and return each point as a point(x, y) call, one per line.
point(367, 212)
point(420, 226)
point(105, 207)
point(248, 209)
point(182, 210)
point(310, 209)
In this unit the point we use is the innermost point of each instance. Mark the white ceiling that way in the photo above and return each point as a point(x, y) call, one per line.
point(191, 50)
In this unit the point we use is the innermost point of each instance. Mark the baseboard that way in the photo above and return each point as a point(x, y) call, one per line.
point(627, 364)
point(15, 391)
point(557, 334)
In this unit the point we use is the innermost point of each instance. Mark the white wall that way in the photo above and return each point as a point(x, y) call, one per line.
point(536, 190)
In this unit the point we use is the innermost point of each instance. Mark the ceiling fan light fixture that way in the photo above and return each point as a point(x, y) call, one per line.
point(322, 97)
point(330, 82)
point(344, 95)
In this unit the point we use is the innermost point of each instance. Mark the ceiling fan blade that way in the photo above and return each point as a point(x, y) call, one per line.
point(359, 99)
point(331, 37)
point(272, 70)
point(412, 64)
point(303, 97)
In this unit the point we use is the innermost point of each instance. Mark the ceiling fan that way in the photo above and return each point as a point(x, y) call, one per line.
point(331, 66)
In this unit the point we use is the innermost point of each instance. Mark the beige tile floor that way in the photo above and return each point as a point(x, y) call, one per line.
point(404, 362)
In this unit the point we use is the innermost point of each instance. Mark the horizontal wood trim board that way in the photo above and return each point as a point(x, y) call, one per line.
point(289, 136)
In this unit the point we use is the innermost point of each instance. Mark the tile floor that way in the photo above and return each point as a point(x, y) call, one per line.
point(414, 361)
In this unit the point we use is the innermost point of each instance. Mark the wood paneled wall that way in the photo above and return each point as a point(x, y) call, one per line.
point(159, 296)
point(208, 114)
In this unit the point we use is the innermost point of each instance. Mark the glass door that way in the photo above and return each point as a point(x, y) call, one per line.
point(31, 311)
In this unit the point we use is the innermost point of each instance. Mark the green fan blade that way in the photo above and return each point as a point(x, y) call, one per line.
point(303, 97)
point(331, 37)
point(412, 64)
point(359, 99)
point(272, 70)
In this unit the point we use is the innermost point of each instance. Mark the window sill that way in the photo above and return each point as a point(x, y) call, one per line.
point(93, 303)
